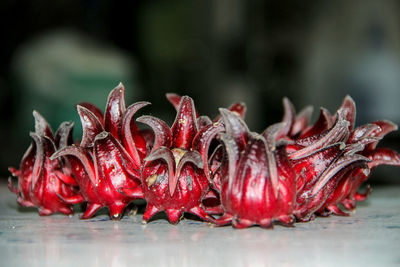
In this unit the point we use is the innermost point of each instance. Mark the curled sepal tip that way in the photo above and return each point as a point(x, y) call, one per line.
point(162, 133)
point(348, 108)
point(80, 154)
point(202, 143)
point(189, 157)
point(163, 153)
point(94, 109)
point(174, 99)
point(235, 127)
point(64, 134)
point(39, 159)
point(42, 128)
point(131, 137)
point(91, 126)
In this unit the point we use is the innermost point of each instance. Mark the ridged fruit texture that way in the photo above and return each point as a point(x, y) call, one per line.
point(217, 170)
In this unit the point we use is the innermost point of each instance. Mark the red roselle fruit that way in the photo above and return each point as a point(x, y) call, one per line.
point(109, 156)
point(320, 164)
point(360, 141)
point(323, 165)
point(173, 179)
point(258, 184)
point(210, 150)
point(367, 137)
point(42, 179)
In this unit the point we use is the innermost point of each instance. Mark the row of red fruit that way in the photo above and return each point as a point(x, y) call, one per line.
point(215, 169)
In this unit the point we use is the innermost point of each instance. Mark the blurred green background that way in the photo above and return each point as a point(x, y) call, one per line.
point(55, 54)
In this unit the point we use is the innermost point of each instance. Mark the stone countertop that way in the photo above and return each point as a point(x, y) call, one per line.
point(369, 237)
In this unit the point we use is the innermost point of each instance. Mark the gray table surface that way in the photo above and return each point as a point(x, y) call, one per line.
point(369, 237)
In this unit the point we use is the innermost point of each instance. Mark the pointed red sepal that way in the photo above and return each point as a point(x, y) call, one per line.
point(94, 109)
point(65, 178)
point(42, 127)
point(189, 157)
point(324, 122)
point(238, 108)
point(162, 133)
point(235, 127)
point(151, 210)
point(289, 113)
point(131, 136)
point(202, 142)
point(174, 99)
point(345, 163)
point(13, 189)
point(115, 108)
point(382, 156)
point(295, 124)
point(174, 215)
point(136, 192)
point(301, 120)
point(271, 134)
point(63, 135)
point(224, 220)
point(199, 212)
point(163, 153)
point(363, 196)
point(82, 156)
point(338, 133)
point(203, 121)
point(38, 166)
point(348, 108)
point(185, 126)
point(27, 163)
point(90, 210)
point(232, 152)
point(337, 211)
point(14, 171)
point(365, 134)
point(91, 126)
point(385, 127)
point(75, 199)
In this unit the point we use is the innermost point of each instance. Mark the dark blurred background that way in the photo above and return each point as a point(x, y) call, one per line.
point(55, 54)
